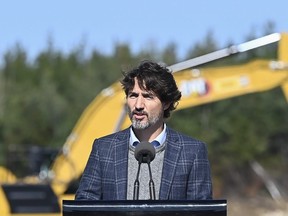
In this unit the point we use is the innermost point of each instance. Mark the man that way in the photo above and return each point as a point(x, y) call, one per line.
point(180, 169)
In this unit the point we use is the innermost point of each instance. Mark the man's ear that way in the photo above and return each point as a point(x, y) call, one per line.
point(166, 105)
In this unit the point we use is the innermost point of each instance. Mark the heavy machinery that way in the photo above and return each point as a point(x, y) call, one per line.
point(43, 194)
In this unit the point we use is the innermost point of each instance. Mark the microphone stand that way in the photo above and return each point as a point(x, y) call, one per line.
point(136, 183)
point(151, 183)
point(144, 152)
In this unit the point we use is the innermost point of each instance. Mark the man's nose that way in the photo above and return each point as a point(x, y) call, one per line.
point(139, 103)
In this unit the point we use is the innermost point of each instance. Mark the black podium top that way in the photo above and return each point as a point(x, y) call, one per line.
point(145, 208)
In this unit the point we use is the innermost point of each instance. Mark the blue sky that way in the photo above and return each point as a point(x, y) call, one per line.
point(102, 24)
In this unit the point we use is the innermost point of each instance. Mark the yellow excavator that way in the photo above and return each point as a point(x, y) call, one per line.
point(43, 194)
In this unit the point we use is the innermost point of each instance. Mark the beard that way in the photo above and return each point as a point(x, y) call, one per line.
point(152, 119)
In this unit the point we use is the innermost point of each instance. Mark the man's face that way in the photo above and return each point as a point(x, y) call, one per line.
point(144, 108)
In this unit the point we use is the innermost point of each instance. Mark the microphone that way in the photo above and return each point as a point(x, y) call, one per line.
point(144, 153)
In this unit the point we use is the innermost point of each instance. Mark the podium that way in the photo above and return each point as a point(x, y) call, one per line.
point(145, 208)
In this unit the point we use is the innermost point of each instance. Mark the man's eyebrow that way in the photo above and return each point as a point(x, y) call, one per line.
point(149, 93)
point(132, 93)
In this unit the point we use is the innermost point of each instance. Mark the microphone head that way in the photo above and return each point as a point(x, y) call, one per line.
point(144, 152)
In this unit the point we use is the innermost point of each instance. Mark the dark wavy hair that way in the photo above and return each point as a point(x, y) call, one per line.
point(154, 77)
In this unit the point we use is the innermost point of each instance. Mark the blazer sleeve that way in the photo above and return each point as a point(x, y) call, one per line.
point(90, 183)
point(199, 182)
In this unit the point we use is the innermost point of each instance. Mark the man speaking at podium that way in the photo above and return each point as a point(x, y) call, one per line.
point(178, 168)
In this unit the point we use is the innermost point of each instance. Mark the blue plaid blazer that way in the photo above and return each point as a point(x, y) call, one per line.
point(185, 175)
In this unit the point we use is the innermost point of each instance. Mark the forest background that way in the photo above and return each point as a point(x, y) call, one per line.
point(42, 99)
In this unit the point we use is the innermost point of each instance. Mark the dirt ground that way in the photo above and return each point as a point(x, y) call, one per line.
point(260, 206)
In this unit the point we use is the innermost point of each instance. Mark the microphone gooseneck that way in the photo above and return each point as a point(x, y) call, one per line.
point(144, 153)
point(151, 184)
point(137, 184)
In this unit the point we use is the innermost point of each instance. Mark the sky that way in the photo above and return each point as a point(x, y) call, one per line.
point(103, 24)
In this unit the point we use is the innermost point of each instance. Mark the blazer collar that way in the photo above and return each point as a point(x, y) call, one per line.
point(121, 163)
point(172, 153)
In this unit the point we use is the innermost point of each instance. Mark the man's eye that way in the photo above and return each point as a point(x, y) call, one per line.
point(132, 96)
point(150, 96)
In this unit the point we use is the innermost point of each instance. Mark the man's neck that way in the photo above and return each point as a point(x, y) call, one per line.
point(150, 133)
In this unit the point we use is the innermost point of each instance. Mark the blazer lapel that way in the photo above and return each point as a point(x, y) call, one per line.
point(172, 153)
point(121, 164)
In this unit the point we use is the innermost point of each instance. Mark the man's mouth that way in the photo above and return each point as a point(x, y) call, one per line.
point(139, 115)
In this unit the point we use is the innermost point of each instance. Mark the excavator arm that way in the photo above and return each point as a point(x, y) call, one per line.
point(202, 86)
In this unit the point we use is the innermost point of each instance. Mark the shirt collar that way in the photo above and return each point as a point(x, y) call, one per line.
point(160, 138)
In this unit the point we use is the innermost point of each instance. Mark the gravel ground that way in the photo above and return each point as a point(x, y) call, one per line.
point(260, 206)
